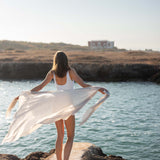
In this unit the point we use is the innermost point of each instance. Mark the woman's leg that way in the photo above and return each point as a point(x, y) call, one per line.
point(59, 142)
point(70, 126)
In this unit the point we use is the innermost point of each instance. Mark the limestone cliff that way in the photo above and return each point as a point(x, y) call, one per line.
point(89, 72)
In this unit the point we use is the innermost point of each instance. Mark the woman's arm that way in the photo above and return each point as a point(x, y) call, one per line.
point(47, 79)
point(80, 81)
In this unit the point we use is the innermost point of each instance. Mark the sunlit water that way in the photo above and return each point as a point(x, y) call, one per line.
point(127, 124)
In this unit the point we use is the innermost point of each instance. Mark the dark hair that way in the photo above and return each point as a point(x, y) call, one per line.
point(60, 64)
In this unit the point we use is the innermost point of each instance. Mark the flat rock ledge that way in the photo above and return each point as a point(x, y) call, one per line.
point(80, 151)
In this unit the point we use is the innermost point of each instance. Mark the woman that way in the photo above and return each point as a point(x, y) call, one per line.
point(64, 77)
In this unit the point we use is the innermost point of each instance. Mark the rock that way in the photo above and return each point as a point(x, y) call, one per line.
point(31, 156)
point(37, 156)
point(95, 153)
point(76, 153)
point(111, 157)
point(23, 70)
point(86, 151)
point(80, 151)
point(8, 157)
point(116, 72)
point(155, 78)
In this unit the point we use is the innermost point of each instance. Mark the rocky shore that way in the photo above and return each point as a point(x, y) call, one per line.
point(89, 72)
point(80, 151)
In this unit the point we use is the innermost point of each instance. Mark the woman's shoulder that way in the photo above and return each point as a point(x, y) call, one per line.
point(72, 70)
point(51, 72)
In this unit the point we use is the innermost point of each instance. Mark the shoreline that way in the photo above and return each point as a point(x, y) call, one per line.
point(88, 71)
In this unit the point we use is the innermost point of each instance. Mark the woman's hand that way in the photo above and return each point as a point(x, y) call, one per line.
point(16, 98)
point(103, 91)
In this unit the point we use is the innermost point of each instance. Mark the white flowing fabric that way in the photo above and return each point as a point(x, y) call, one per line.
point(38, 108)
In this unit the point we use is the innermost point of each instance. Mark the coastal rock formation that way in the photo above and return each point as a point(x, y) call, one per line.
point(80, 151)
point(8, 157)
point(116, 72)
point(38, 155)
point(23, 70)
point(155, 78)
point(95, 153)
point(89, 72)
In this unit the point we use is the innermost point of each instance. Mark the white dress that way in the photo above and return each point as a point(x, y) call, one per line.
point(67, 86)
point(45, 107)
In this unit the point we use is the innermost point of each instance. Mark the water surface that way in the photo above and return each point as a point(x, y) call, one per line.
point(127, 124)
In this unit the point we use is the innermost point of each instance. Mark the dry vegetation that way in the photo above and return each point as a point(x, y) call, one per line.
point(43, 56)
point(29, 52)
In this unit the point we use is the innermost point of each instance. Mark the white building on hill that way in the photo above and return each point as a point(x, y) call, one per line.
point(98, 44)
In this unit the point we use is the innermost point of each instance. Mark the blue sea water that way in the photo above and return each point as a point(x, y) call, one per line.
point(127, 124)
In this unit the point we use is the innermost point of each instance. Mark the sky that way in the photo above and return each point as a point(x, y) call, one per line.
point(131, 24)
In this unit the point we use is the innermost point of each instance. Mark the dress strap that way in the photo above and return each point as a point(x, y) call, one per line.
point(68, 76)
point(54, 77)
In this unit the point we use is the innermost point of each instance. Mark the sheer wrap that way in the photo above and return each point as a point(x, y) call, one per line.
point(38, 108)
